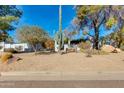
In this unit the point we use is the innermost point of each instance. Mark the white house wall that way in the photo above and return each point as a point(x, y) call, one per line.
point(2, 44)
point(24, 46)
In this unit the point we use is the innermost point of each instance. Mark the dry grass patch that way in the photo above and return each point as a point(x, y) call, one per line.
point(5, 57)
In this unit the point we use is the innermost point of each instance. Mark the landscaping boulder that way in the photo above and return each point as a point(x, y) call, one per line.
point(13, 59)
point(107, 48)
point(118, 50)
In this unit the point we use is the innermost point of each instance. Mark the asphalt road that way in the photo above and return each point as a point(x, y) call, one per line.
point(64, 84)
point(62, 80)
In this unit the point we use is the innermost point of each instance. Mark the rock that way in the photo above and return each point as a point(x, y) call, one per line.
point(118, 50)
point(114, 51)
point(107, 48)
point(13, 59)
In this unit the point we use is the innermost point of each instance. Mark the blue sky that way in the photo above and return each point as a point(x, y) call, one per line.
point(46, 16)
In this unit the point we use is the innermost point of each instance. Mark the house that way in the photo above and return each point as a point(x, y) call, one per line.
point(21, 46)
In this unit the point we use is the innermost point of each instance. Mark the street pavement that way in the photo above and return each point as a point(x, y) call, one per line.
point(62, 79)
point(64, 84)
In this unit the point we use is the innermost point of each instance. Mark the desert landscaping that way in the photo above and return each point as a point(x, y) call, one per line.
point(61, 46)
point(71, 62)
point(79, 46)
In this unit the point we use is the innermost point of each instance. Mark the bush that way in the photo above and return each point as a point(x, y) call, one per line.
point(99, 52)
point(6, 56)
point(94, 52)
point(49, 44)
point(85, 45)
point(85, 48)
point(88, 53)
point(11, 50)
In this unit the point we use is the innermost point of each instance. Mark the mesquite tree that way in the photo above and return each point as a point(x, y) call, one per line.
point(93, 17)
point(32, 35)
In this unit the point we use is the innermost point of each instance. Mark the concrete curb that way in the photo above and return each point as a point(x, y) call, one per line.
point(16, 73)
point(52, 76)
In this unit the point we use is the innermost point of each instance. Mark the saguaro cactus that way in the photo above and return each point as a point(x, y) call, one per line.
point(60, 27)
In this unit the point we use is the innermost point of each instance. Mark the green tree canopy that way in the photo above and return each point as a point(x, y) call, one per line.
point(9, 14)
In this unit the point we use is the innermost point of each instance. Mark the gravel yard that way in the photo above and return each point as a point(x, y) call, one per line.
point(71, 62)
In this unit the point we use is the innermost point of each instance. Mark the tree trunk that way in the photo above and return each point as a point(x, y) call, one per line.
point(96, 39)
point(34, 48)
point(119, 43)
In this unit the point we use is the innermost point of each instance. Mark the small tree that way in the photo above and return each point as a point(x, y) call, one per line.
point(32, 35)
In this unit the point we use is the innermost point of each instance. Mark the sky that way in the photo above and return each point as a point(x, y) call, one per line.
point(46, 17)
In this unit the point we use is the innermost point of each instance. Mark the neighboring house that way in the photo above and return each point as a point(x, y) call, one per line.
point(21, 46)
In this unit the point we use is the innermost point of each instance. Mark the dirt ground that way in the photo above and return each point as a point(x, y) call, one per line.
point(71, 62)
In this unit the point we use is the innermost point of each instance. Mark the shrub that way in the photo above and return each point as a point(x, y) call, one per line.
point(11, 50)
point(6, 56)
point(85, 48)
point(88, 53)
point(94, 52)
point(99, 52)
point(49, 44)
point(85, 45)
